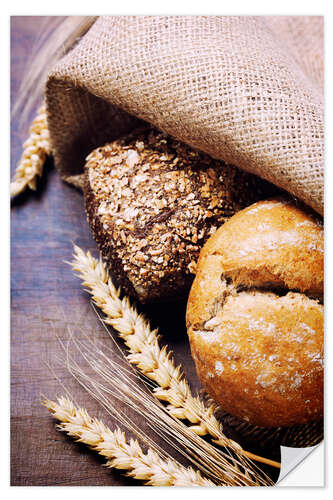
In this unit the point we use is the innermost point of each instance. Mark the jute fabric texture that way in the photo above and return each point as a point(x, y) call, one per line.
point(246, 90)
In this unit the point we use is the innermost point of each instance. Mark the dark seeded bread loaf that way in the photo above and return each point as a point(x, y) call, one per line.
point(152, 202)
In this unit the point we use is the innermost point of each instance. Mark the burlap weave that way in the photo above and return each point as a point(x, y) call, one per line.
point(247, 90)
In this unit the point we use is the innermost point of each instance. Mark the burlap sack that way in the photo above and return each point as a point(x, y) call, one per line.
point(247, 90)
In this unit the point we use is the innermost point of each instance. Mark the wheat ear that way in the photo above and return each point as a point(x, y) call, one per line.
point(35, 151)
point(120, 454)
point(154, 362)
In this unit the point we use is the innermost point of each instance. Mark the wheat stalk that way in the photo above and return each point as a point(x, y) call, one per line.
point(144, 352)
point(154, 362)
point(109, 381)
point(148, 467)
point(35, 151)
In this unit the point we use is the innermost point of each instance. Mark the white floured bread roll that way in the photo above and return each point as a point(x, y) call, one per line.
point(255, 315)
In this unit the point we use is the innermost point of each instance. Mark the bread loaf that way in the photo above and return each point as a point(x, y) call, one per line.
point(152, 202)
point(255, 315)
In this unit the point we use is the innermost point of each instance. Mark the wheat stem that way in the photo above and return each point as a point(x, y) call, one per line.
point(35, 151)
point(120, 454)
point(144, 352)
point(112, 382)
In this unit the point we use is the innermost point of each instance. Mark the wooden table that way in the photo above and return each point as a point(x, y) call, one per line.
point(46, 300)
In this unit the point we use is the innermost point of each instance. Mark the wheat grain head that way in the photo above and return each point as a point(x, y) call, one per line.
point(35, 151)
point(120, 454)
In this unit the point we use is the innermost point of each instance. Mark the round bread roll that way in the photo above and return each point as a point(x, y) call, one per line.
point(152, 202)
point(255, 315)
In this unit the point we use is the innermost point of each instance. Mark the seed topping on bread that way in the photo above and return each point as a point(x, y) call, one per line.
point(158, 201)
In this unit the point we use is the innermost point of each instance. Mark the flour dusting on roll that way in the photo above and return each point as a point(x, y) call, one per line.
point(255, 315)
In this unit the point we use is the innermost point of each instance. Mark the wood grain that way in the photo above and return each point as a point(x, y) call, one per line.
point(47, 299)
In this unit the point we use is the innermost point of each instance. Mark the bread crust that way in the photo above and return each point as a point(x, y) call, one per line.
point(255, 317)
point(152, 202)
